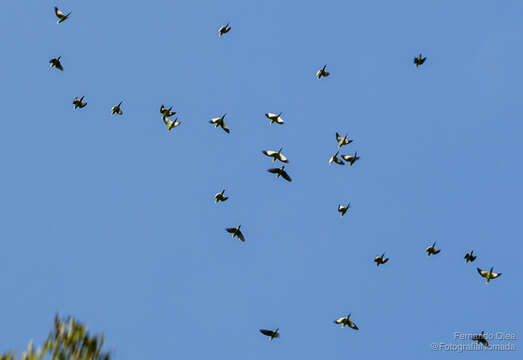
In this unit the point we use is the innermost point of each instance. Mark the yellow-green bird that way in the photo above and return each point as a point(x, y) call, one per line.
point(322, 72)
point(55, 62)
point(117, 109)
point(351, 159)
point(419, 60)
point(60, 15)
point(469, 257)
point(480, 338)
point(220, 122)
point(488, 275)
point(380, 260)
point(276, 155)
point(224, 30)
point(220, 197)
point(342, 141)
point(431, 250)
point(346, 321)
point(79, 103)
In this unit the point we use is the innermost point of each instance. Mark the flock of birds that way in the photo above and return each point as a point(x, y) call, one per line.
point(166, 113)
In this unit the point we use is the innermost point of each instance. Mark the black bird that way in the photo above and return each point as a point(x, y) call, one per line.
point(469, 257)
point(380, 260)
point(280, 172)
point(270, 333)
point(236, 232)
point(56, 63)
point(419, 60)
point(481, 339)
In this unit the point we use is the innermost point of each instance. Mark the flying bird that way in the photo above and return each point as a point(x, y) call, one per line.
point(220, 197)
point(276, 155)
point(469, 257)
point(236, 232)
point(60, 15)
point(166, 112)
point(224, 30)
point(79, 103)
point(336, 159)
point(419, 60)
point(274, 118)
point(342, 141)
point(280, 172)
point(380, 260)
point(220, 122)
point(116, 109)
point(351, 159)
point(56, 63)
point(322, 73)
point(344, 321)
point(171, 123)
point(343, 209)
point(431, 250)
point(488, 275)
point(481, 339)
point(270, 333)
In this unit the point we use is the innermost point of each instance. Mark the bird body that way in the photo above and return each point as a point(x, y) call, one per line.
point(418, 60)
point(220, 197)
point(272, 334)
point(274, 118)
point(351, 159)
point(336, 159)
point(116, 109)
point(431, 250)
point(488, 275)
point(79, 103)
point(346, 321)
point(224, 30)
point(280, 172)
point(276, 155)
point(343, 209)
point(380, 260)
point(60, 15)
point(469, 257)
point(236, 232)
point(220, 122)
point(322, 72)
point(56, 63)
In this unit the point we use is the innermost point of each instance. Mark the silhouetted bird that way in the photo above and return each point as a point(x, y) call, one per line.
point(236, 232)
point(280, 172)
point(481, 339)
point(469, 257)
point(79, 103)
point(322, 72)
point(223, 30)
point(343, 209)
point(336, 159)
point(60, 15)
point(56, 63)
point(344, 321)
point(380, 260)
point(274, 118)
point(220, 122)
point(419, 60)
point(116, 109)
point(431, 250)
point(220, 197)
point(270, 333)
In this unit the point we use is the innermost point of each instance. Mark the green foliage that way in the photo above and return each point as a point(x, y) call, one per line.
point(69, 340)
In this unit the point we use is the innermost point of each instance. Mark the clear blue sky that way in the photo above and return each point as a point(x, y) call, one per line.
point(112, 220)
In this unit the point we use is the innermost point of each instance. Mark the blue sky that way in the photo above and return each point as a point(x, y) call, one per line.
point(112, 220)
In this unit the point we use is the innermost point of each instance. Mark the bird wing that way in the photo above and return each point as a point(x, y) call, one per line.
point(266, 332)
point(269, 152)
point(271, 115)
point(215, 120)
point(325, 73)
point(59, 66)
point(385, 260)
point(347, 157)
point(339, 321)
point(58, 12)
point(495, 275)
point(338, 161)
point(286, 176)
point(282, 158)
point(353, 326)
point(340, 208)
point(274, 170)
point(240, 236)
point(279, 120)
point(230, 230)
point(226, 129)
point(338, 137)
